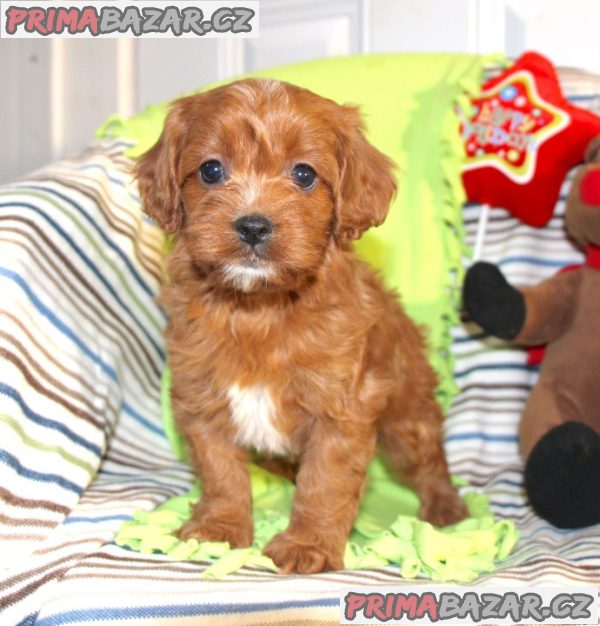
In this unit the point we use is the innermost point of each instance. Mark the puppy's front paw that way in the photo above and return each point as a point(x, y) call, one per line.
point(295, 555)
point(238, 534)
point(443, 510)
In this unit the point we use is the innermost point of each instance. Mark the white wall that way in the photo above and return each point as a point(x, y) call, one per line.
point(55, 93)
point(568, 31)
point(415, 25)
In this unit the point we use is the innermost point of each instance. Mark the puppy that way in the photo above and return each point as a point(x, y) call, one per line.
point(280, 340)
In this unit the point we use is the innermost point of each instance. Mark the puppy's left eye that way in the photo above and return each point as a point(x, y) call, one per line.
point(304, 176)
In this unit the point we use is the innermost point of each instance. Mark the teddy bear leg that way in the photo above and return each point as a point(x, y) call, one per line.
point(562, 476)
point(492, 302)
point(562, 469)
point(541, 414)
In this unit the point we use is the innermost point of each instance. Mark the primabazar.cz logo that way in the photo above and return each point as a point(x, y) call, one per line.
point(143, 18)
point(454, 605)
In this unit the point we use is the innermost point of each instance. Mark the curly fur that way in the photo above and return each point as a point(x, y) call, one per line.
point(293, 348)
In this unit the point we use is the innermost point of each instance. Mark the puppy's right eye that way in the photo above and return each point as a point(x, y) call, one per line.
point(304, 176)
point(212, 172)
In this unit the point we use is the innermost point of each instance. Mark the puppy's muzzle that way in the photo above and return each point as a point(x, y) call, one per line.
point(253, 229)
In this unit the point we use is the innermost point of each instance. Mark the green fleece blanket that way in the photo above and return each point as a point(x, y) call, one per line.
point(409, 103)
point(386, 532)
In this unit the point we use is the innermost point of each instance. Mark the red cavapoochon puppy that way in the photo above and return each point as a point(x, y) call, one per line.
point(280, 341)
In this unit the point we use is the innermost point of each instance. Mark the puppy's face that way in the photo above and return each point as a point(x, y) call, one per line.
point(259, 178)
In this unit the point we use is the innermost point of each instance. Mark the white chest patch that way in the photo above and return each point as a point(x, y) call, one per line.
point(252, 412)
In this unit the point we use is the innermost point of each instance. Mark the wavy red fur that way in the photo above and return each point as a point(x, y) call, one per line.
point(297, 326)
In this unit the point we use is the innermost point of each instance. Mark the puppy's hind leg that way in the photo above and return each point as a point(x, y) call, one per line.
point(411, 438)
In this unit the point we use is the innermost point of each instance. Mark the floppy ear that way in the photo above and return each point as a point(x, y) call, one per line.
point(157, 174)
point(366, 184)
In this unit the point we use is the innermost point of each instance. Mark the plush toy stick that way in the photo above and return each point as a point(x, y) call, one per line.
point(481, 232)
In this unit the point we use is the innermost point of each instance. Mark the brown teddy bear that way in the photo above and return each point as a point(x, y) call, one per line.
point(560, 427)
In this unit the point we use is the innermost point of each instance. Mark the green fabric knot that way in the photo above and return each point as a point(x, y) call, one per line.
point(386, 532)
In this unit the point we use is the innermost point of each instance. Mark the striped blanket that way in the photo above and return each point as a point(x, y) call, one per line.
point(81, 445)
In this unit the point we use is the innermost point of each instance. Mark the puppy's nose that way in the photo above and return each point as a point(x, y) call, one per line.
point(253, 229)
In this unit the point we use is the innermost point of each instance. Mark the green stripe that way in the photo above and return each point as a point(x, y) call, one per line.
point(44, 447)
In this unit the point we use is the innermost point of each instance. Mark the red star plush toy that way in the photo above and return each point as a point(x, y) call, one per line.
point(521, 140)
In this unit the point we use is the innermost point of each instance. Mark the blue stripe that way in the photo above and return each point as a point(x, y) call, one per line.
point(549, 530)
point(92, 267)
point(11, 461)
point(578, 559)
point(29, 620)
point(47, 422)
point(496, 366)
point(53, 319)
point(97, 520)
point(97, 166)
point(481, 436)
point(129, 481)
point(107, 240)
point(582, 97)
point(506, 481)
point(158, 430)
point(536, 261)
point(514, 484)
point(179, 610)
point(115, 181)
point(508, 505)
